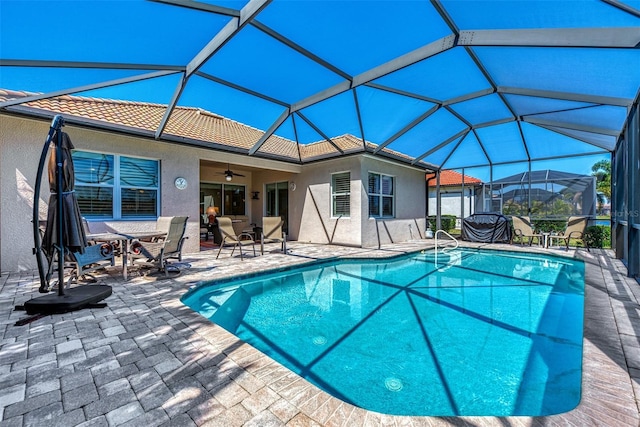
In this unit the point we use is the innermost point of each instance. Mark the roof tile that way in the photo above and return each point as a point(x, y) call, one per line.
point(191, 123)
point(450, 177)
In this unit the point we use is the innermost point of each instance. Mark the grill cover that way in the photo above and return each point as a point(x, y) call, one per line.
point(486, 228)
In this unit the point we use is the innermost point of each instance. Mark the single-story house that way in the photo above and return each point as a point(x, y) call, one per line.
point(458, 194)
point(126, 178)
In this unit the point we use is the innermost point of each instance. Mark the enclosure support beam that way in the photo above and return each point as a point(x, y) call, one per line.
point(567, 96)
point(247, 13)
point(619, 37)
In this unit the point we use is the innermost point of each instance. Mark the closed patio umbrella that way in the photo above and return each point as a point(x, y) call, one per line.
point(67, 214)
point(64, 231)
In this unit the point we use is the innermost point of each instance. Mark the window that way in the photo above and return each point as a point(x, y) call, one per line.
point(111, 186)
point(341, 194)
point(229, 199)
point(381, 196)
point(234, 199)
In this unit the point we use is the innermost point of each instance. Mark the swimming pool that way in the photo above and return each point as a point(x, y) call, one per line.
point(490, 333)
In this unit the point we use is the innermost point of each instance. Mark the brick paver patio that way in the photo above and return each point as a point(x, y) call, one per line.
point(147, 360)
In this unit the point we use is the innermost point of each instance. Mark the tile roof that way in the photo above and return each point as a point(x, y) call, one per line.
point(184, 122)
point(450, 177)
point(191, 124)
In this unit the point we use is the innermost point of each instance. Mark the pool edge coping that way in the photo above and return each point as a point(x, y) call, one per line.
point(580, 415)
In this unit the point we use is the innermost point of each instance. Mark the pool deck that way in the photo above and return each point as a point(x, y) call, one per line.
point(147, 360)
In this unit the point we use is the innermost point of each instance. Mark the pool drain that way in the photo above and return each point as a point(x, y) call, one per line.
point(319, 340)
point(393, 384)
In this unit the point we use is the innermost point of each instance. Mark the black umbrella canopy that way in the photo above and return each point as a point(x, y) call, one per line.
point(69, 216)
point(63, 232)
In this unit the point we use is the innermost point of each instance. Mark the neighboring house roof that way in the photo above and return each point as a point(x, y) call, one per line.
point(449, 177)
point(188, 124)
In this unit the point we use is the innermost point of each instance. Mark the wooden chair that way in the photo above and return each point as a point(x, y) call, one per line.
point(272, 232)
point(229, 237)
point(523, 229)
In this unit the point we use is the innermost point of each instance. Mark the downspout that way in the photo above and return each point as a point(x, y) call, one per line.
point(427, 184)
point(427, 225)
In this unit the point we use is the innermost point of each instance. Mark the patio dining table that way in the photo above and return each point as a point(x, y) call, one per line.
point(125, 239)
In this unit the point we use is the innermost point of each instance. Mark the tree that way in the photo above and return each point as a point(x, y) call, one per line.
point(602, 171)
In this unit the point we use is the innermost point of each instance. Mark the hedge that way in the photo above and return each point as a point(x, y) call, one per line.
point(448, 222)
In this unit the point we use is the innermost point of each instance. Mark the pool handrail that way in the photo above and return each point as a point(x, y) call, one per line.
point(444, 249)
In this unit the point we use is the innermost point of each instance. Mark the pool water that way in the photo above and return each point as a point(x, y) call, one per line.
point(470, 332)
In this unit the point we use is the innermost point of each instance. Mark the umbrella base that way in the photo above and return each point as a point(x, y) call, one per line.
point(75, 298)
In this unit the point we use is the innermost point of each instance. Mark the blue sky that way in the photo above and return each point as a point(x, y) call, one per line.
point(353, 36)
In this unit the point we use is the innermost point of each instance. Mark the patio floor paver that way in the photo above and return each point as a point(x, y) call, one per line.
point(148, 360)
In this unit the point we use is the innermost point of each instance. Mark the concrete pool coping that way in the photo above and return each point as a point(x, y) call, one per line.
point(146, 359)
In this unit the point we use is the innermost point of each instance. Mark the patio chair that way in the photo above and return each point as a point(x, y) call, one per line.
point(95, 257)
point(523, 229)
point(576, 226)
point(272, 232)
point(230, 237)
point(157, 253)
point(163, 224)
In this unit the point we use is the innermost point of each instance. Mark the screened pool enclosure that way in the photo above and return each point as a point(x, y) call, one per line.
point(547, 194)
point(494, 88)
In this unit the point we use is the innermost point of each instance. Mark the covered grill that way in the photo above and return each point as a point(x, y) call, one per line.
point(486, 228)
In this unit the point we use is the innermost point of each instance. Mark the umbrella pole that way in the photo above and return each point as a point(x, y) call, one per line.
point(56, 124)
point(59, 190)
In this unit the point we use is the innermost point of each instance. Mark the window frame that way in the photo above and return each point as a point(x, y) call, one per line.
point(221, 207)
point(381, 195)
point(117, 187)
point(335, 194)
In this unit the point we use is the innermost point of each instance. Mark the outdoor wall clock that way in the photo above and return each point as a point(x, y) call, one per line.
point(181, 183)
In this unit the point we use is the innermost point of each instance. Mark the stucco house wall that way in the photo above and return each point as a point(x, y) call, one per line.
point(310, 219)
point(318, 226)
point(21, 143)
point(409, 222)
point(310, 207)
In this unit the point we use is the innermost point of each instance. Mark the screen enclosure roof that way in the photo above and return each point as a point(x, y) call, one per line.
point(438, 84)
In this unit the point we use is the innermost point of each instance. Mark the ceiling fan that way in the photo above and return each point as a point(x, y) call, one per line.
point(228, 174)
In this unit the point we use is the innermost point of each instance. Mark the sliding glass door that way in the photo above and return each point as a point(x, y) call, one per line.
point(277, 200)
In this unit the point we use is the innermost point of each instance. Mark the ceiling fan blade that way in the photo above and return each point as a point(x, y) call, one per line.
point(229, 172)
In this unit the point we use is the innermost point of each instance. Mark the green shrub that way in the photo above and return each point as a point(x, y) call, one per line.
point(448, 222)
point(598, 236)
point(549, 225)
